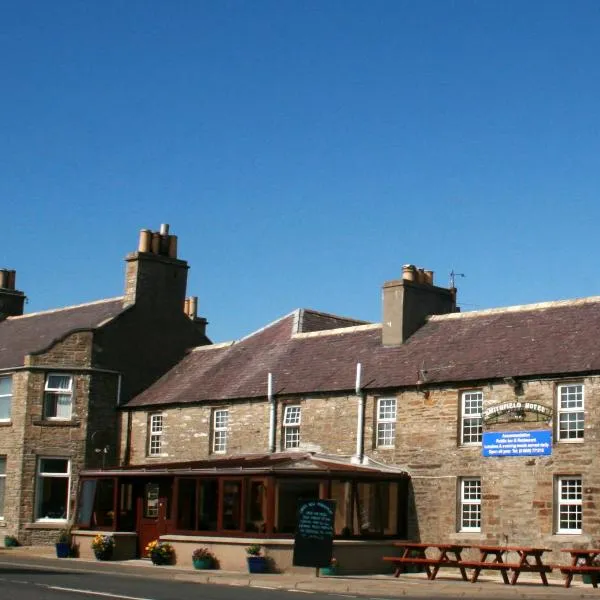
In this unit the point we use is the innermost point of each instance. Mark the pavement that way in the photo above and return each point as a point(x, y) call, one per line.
point(447, 584)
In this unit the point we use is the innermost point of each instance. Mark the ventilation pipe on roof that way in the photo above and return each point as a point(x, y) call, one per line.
point(360, 422)
point(271, 400)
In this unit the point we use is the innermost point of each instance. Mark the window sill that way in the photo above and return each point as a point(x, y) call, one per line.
point(56, 423)
point(58, 524)
point(6, 423)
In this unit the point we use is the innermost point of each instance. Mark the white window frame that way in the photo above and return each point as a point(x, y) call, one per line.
point(568, 393)
point(471, 419)
point(7, 397)
point(386, 422)
point(3, 486)
point(292, 418)
point(39, 486)
point(569, 504)
point(220, 430)
point(55, 392)
point(469, 500)
point(156, 423)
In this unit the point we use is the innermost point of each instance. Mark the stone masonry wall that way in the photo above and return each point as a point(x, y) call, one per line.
point(518, 502)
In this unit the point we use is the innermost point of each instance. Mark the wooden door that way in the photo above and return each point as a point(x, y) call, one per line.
point(153, 511)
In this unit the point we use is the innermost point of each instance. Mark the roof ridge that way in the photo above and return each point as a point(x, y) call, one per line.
point(55, 310)
point(335, 316)
point(337, 331)
point(218, 346)
point(267, 326)
point(516, 308)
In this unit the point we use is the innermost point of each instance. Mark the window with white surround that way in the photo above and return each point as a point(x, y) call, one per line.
point(5, 397)
point(569, 504)
point(155, 435)
point(386, 422)
point(52, 489)
point(58, 396)
point(570, 412)
point(291, 427)
point(470, 504)
point(220, 427)
point(471, 417)
point(2, 485)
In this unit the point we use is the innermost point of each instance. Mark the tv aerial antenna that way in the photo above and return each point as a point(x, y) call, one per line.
point(453, 276)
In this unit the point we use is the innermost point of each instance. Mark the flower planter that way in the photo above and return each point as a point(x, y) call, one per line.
point(329, 571)
point(257, 564)
point(202, 563)
point(103, 554)
point(63, 549)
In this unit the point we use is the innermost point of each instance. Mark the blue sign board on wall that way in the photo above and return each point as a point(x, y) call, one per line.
point(517, 443)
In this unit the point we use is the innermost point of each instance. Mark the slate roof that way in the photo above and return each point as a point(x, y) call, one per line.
point(246, 464)
point(540, 339)
point(23, 335)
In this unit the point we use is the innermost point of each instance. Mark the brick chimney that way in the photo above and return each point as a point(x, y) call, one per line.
point(190, 308)
point(407, 302)
point(155, 278)
point(11, 300)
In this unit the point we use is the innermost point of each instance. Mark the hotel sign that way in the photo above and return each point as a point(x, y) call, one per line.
point(517, 411)
point(517, 443)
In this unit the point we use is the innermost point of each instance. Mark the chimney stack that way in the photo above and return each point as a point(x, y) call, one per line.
point(12, 300)
point(155, 276)
point(407, 303)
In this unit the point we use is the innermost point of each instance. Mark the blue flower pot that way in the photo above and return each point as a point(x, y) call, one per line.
point(329, 571)
point(63, 549)
point(257, 564)
point(202, 563)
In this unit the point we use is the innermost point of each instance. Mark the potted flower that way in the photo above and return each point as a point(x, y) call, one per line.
point(160, 553)
point(332, 569)
point(103, 546)
point(10, 541)
point(63, 544)
point(203, 558)
point(257, 563)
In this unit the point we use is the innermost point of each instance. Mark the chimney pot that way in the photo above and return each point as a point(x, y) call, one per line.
point(408, 272)
point(155, 247)
point(145, 240)
point(12, 280)
point(172, 246)
point(3, 278)
point(429, 277)
point(164, 229)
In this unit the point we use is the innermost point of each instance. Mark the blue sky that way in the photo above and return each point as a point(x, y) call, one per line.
point(302, 151)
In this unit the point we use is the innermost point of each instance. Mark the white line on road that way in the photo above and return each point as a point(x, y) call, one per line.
point(302, 591)
point(93, 593)
point(264, 587)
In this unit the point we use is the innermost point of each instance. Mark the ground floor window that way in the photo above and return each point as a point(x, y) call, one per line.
point(288, 494)
point(2, 484)
point(52, 489)
point(569, 504)
point(470, 504)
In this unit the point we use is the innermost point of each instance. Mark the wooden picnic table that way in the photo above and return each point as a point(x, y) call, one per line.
point(491, 557)
point(414, 554)
point(582, 563)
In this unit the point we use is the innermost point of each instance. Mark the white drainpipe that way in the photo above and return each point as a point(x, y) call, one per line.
point(271, 413)
point(360, 423)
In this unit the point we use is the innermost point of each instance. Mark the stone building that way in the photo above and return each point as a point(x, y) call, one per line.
point(434, 425)
point(64, 372)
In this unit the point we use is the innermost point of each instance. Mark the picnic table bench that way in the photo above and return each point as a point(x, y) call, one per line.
point(414, 554)
point(582, 563)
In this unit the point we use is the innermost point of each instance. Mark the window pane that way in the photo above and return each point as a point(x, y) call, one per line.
point(151, 501)
point(2, 465)
point(54, 492)
point(5, 386)
point(292, 415)
point(186, 505)
point(256, 507)
point(292, 437)
point(471, 406)
point(387, 408)
point(5, 403)
point(288, 495)
point(221, 418)
point(470, 509)
point(59, 382)
point(208, 503)
point(232, 505)
point(386, 433)
point(54, 465)
point(2, 487)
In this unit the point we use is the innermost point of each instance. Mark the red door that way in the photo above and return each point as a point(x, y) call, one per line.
point(153, 513)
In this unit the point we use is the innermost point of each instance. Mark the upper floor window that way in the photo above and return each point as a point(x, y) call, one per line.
point(5, 397)
point(58, 396)
point(470, 504)
point(155, 437)
point(2, 484)
point(570, 412)
point(220, 426)
point(291, 427)
point(386, 422)
point(52, 489)
point(471, 417)
point(569, 504)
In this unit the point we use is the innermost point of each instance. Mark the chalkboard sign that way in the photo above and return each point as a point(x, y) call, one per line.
point(313, 543)
point(86, 502)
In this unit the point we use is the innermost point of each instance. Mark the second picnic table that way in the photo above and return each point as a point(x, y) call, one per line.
point(414, 553)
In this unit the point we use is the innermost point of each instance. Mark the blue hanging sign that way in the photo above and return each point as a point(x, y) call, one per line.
point(517, 443)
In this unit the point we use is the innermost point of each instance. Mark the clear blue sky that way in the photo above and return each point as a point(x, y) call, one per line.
point(302, 150)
